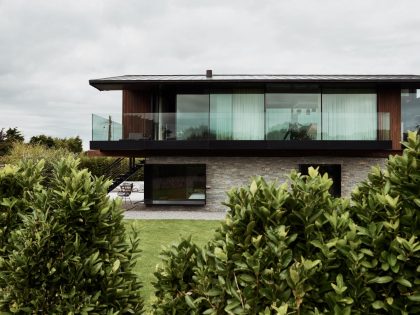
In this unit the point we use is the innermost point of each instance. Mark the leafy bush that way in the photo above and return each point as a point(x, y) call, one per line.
point(22, 152)
point(69, 253)
point(99, 165)
point(298, 250)
point(387, 210)
point(268, 255)
point(17, 184)
point(96, 165)
point(175, 277)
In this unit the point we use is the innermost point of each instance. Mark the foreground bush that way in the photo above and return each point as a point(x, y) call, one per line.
point(68, 253)
point(267, 257)
point(387, 211)
point(298, 250)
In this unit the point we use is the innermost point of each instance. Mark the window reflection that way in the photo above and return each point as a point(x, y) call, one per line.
point(410, 111)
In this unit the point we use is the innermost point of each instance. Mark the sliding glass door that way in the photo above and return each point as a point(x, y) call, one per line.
point(237, 116)
point(349, 115)
point(293, 116)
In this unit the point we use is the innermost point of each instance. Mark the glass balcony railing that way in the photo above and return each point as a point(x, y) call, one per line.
point(106, 128)
point(269, 125)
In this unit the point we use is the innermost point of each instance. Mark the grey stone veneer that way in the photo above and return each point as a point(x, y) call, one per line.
point(226, 172)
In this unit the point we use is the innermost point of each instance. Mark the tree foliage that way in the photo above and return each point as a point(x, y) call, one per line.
point(8, 138)
point(64, 248)
point(72, 144)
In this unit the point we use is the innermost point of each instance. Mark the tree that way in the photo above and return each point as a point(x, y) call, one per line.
point(44, 140)
point(72, 144)
point(8, 137)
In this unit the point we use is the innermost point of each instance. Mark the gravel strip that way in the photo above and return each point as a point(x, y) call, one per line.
point(171, 215)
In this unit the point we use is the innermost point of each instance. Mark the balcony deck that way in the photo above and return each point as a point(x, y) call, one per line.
point(243, 147)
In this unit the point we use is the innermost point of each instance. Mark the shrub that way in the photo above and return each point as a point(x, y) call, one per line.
point(269, 256)
point(99, 165)
point(69, 254)
point(35, 152)
point(298, 250)
point(17, 185)
point(387, 210)
point(175, 277)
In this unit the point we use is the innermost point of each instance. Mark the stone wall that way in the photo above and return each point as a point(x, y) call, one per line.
point(226, 172)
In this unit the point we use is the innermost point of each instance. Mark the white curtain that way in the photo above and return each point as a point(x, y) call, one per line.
point(248, 116)
point(349, 116)
point(221, 116)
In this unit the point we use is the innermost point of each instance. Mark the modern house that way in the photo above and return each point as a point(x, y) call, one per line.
point(203, 134)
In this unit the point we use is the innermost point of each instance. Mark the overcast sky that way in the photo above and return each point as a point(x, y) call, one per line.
point(50, 49)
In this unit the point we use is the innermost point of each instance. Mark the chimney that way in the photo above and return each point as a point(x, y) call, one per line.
point(209, 73)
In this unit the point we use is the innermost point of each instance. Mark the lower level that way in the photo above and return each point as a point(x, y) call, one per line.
point(200, 183)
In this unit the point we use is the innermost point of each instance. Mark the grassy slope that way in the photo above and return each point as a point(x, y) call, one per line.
point(157, 233)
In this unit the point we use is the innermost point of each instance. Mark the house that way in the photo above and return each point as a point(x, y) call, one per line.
point(203, 134)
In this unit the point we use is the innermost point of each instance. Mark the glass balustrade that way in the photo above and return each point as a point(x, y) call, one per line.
point(274, 124)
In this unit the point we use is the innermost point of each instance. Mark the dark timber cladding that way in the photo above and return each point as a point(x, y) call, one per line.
point(389, 101)
point(133, 103)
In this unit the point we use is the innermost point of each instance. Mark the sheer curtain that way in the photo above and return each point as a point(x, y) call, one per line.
point(248, 115)
point(221, 116)
point(349, 116)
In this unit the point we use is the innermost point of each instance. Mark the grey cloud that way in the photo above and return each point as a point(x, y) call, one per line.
point(50, 49)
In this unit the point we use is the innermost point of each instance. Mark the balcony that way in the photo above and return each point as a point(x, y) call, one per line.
point(231, 133)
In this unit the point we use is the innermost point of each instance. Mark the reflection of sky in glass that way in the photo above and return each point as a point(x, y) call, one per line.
point(100, 128)
point(418, 93)
point(192, 117)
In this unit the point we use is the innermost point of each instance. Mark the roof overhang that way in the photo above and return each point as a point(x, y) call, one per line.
point(150, 81)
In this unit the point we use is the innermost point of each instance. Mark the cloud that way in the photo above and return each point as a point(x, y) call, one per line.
point(50, 49)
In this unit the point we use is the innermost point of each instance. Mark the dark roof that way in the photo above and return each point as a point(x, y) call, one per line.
point(128, 79)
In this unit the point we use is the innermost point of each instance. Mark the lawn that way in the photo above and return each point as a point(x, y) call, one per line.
point(157, 233)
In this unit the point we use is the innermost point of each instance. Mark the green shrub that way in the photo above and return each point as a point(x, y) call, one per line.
point(17, 185)
point(22, 152)
point(99, 165)
point(96, 165)
point(269, 256)
point(175, 277)
point(387, 210)
point(299, 250)
point(69, 254)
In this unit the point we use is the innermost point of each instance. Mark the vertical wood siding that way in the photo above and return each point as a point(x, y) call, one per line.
point(133, 103)
point(389, 101)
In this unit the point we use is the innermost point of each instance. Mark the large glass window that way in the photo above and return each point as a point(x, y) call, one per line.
point(349, 115)
point(410, 111)
point(221, 116)
point(175, 184)
point(237, 116)
point(192, 116)
point(293, 116)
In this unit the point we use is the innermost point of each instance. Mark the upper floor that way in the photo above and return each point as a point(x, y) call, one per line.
point(257, 114)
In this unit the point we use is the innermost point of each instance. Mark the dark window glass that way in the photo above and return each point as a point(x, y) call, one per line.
point(175, 184)
point(410, 111)
point(192, 116)
point(293, 116)
point(333, 171)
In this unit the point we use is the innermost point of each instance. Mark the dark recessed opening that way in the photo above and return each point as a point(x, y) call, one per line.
point(175, 184)
point(334, 172)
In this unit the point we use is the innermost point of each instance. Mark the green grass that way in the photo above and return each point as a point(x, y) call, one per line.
point(157, 233)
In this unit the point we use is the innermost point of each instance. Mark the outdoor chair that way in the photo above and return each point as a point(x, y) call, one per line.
point(125, 191)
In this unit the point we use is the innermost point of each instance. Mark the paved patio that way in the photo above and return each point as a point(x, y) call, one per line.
point(135, 208)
